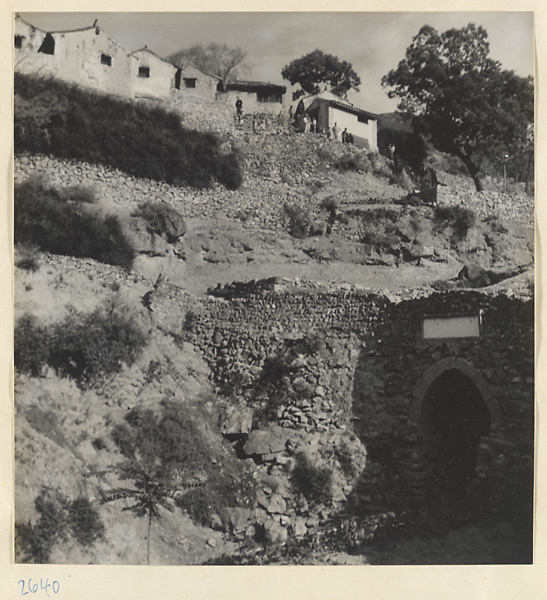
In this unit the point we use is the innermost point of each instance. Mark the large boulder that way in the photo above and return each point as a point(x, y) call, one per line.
point(265, 442)
point(474, 276)
point(144, 241)
point(163, 220)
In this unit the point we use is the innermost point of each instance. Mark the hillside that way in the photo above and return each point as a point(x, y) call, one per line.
point(251, 418)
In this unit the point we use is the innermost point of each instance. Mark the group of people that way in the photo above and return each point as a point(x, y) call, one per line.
point(302, 122)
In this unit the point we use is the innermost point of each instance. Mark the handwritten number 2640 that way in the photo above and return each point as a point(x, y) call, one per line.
point(32, 588)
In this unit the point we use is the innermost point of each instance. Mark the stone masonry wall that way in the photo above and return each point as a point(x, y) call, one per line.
point(370, 353)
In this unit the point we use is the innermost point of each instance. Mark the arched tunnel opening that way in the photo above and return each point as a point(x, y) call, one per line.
point(454, 418)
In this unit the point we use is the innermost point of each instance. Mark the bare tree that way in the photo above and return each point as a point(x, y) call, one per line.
point(217, 59)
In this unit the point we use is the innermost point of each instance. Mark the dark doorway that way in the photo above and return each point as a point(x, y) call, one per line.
point(455, 417)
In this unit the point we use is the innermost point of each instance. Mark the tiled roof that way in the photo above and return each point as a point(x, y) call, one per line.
point(255, 86)
point(146, 49)
point(351, 109)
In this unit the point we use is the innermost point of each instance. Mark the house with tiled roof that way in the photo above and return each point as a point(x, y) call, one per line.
point(89, 57)
point(257, 96)
point(195, 82)
point(153, 77)
point(329, 110)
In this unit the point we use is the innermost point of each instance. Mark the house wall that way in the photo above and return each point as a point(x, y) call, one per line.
point(77, 59)
point(251, 105)
point(206, 85)
point(27, 59)
point(161, 82)
point(366, 131)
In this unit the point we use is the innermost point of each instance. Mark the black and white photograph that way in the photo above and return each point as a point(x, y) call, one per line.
point(274, 288)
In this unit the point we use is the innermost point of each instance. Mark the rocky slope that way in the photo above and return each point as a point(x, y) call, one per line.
point(351, 231)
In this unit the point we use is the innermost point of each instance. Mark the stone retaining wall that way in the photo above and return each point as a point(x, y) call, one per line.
point(371, 351)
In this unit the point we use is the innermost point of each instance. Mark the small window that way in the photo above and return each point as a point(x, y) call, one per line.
point(266, 98)
point(18, 41)
point(362, 119)
point(48, 45)
point(178, 75)
point(144, 71)
point(106, 60)
point(189, 82)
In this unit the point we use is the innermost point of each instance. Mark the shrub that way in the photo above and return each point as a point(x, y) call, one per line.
point(331, 205)
point(85, 522)
point(379, 228)
point(53, 117)
point(345, 458)
point(460, 219)
point(27, 258)
point(44, 219)
point(31, 346)
point(299, 221)
point(314, 483)
point(352, 162)
point(84, 347)
point(34, 543)
point(78, 193)
point(231, 170)
point(410, 148)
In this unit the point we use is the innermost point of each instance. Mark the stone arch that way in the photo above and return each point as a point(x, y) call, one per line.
point(436, 370)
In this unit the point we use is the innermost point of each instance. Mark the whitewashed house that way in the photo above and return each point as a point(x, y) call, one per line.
point(153, 77)
point(87, 57)
point(328, 110)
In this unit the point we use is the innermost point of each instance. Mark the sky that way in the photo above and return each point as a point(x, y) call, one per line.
point(373, 42)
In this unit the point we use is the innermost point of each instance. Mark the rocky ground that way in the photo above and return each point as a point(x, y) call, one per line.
point(344, 239)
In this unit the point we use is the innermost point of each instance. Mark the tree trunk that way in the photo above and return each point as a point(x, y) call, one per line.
point(473, 170)
point(528, 187)
point(148, 540)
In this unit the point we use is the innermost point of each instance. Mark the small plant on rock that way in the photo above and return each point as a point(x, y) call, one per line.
point(313, 482)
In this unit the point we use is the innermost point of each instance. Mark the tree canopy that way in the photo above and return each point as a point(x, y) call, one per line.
point(318, 68)
point(462, 99)
point(216, 59)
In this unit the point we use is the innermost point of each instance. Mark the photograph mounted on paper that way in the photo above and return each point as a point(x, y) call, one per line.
point(274, 288)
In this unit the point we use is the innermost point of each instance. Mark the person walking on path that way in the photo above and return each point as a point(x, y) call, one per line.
point(239, 110)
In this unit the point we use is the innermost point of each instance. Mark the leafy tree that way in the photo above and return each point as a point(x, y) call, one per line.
point(216, 59)
point(454, 93)
point(148, 494)
point(319, 68)
point(160, 451)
